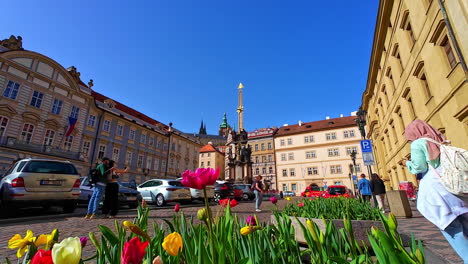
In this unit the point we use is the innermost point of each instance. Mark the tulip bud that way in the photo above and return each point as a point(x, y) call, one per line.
point(177, 208)
point(143, 203)
point(347, 224)
point(94, 240)
point(201, 214)
point(392, 222)
point(419, 256)
point(288, 198)
point(157, 260)
point(136, 230)
point(248, 230)
point(374, 231)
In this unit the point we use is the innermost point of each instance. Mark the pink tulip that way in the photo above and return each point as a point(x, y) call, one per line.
point(300, 204)
point(177, 208)
point(251, 221)
point(273, 200)
point(83, 241)
point(200, 178)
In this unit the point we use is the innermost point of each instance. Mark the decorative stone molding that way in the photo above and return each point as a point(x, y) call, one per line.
point(31, 117)
point(53, 124)
point(12, 43)
point(7, 110)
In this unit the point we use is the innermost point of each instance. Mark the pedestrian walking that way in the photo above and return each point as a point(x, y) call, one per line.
point(364, 188)
point(110, 207)
point(258, 191)
point(98, 185)
point(436, 204)
point(378, 190)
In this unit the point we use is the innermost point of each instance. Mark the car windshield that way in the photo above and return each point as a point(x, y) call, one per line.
point(175, 183)
point(336, 190)
point(49, 167)
point(315, 188)
point(127, 184)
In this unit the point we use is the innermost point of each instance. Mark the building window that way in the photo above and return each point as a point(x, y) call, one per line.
point(306, 139)
point(143, 139)
point(91, 120)
point(263, 159)
point(131, 134)
point(208, 164)
point(315, 170)
point(338, 169)
point(86, 147)
point(349, 150)
point(140, 161)
point(102, 151)
point(270, 158)
point(293, 187)
point(75, 112)
point(334, 152)
point(256, 147)
point(160, 144)
point(163, 165)
point(406, 25)
point(49, 137)
point(27, 133)
point(173, 147)
point(283, 156)
point(351, 133)
point(285, 173)
point(36, 99)
point(57, 106)
point(449, 52)
point(148, 163)
point(263, 146)
point(291, 156)
point(209, 154)
point(202, 164)
point(115, 154)
point(292, 172)
point(264, 171)
point(106, 126)
point(285, 187)
point(11, 90)
point(256, 159)
point(290, 141)
point(396, 54)
point(68, 142)
point(270, 170)
point(151, 142)
point(330, 136)
point(358, 167)
point(3, 125)
point(332, 169)
point(309, 171)
point(270, 146)
point(257, 171)
point(348, 133)
point(156, 164)
point(335, 169)
point(310, 155)
point(282, 142)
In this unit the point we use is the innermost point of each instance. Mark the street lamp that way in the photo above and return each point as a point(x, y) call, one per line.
point(352, 167)
point(361, 121)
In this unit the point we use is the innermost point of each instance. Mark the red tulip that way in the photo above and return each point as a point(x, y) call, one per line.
point(300, 204)
point(273, 200)
point(177, 208)
point(233, 203)
point(224, 202)
point(42, 257)
point(200, 178)
point(133, 251)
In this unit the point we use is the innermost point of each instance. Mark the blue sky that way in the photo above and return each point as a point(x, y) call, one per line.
point(180, 61)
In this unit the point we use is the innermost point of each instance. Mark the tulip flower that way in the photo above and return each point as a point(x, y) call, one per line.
point(133, 251)
point(251, 221)
point(136, 230)
point(300, 204)
point(83, 241)
point(201, 214)
point(232, 203)
point(273, 200)
point(248, 230)
point(200, 178)
point(177, 208)
point(157, 260)
point(21, 243)
point(143, 203)
point(288, 198)
point(42, 257)
point(68, 251)
point(173, 244)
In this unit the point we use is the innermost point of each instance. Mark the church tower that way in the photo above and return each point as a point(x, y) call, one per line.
point(224, 127)
point(202, 130)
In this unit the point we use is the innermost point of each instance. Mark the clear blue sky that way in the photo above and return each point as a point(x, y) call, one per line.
point(180, 61)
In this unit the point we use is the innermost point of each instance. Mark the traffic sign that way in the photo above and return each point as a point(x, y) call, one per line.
point(366, 146)
point(368, 158)
point(354, 177)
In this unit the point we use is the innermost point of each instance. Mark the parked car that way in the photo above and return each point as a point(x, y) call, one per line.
point(312, 191)
point(198, 194)
point(225, 189)
point(247, 193)
point(40, 182)
point(162, 191)
point(131, 184)
point(289, 194)
point(270, 193)
point(127, 196)
point(336, 191)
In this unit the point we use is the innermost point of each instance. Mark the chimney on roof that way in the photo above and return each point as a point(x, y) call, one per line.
point(327, 117)
point(285, 125)
point(300, 123)
point(211, 143)
point(354, 113)
point(341, 115)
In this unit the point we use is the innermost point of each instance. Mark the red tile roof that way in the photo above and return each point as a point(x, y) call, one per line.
point(209, 148)
point(101, 98)
point(326, 124)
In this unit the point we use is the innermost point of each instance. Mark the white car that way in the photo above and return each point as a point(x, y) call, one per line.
point(198, 194)
point(162, 191)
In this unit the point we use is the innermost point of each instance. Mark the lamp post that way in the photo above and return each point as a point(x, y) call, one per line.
point(361, 123)
point(352, 167)
point(168, 149)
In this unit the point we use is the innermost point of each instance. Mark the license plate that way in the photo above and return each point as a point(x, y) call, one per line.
point(51, 182)
point(131, 198)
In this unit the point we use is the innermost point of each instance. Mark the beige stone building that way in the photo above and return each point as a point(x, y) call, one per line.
point(417, 71)
point(316, 152)
point(212, 157)
point(263, 155)
point(183, 153)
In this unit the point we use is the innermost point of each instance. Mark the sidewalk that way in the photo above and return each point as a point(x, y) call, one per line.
point(437, 248)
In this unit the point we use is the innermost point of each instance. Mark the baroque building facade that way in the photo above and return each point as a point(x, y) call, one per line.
point(263, 155)
point(417, 71)
point(212, 157)
point(317, 153)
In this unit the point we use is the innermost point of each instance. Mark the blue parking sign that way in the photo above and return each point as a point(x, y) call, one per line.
point(366, 146)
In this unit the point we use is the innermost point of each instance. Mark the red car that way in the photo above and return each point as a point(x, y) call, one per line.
point(336, 191)
point(312, 191)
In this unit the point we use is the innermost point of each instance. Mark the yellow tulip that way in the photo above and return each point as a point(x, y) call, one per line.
point(47, 240)
point(67, 252)
point(173, 244)
point(136, 230)
point(288, 198)
point(21, 243)
point(248, 230)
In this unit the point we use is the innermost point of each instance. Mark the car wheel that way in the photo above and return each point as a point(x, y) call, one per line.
point(245, 196)
point(69, 206)
point(160, 200)
point(217, 197)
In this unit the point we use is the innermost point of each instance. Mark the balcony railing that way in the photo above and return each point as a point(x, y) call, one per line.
point(14, 143)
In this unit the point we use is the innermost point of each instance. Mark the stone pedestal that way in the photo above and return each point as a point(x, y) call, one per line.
point(399, 204)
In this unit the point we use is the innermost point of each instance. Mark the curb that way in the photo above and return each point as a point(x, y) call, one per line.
point(18, 220)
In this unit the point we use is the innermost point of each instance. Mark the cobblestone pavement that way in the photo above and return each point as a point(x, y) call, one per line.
point(77, 226)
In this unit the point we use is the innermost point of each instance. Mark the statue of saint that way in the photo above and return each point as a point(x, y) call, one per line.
point(243, 135)
point(248, 153)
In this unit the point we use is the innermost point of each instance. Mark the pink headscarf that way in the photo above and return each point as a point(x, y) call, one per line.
point(420, 129)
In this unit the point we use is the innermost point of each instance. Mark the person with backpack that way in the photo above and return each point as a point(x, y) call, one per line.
point(364, 188)
point(378, 190)
point(98, 180)
point(435, 202)
point(257, 187)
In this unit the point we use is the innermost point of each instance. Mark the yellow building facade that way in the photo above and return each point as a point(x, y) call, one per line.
point(212, 157)
point(417, 71)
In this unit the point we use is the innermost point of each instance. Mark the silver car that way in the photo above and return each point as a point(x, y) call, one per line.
point(198, 194)
point(40, 182)
point(162, 191)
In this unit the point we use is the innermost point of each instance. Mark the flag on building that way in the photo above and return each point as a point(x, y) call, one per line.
point(71, 125)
